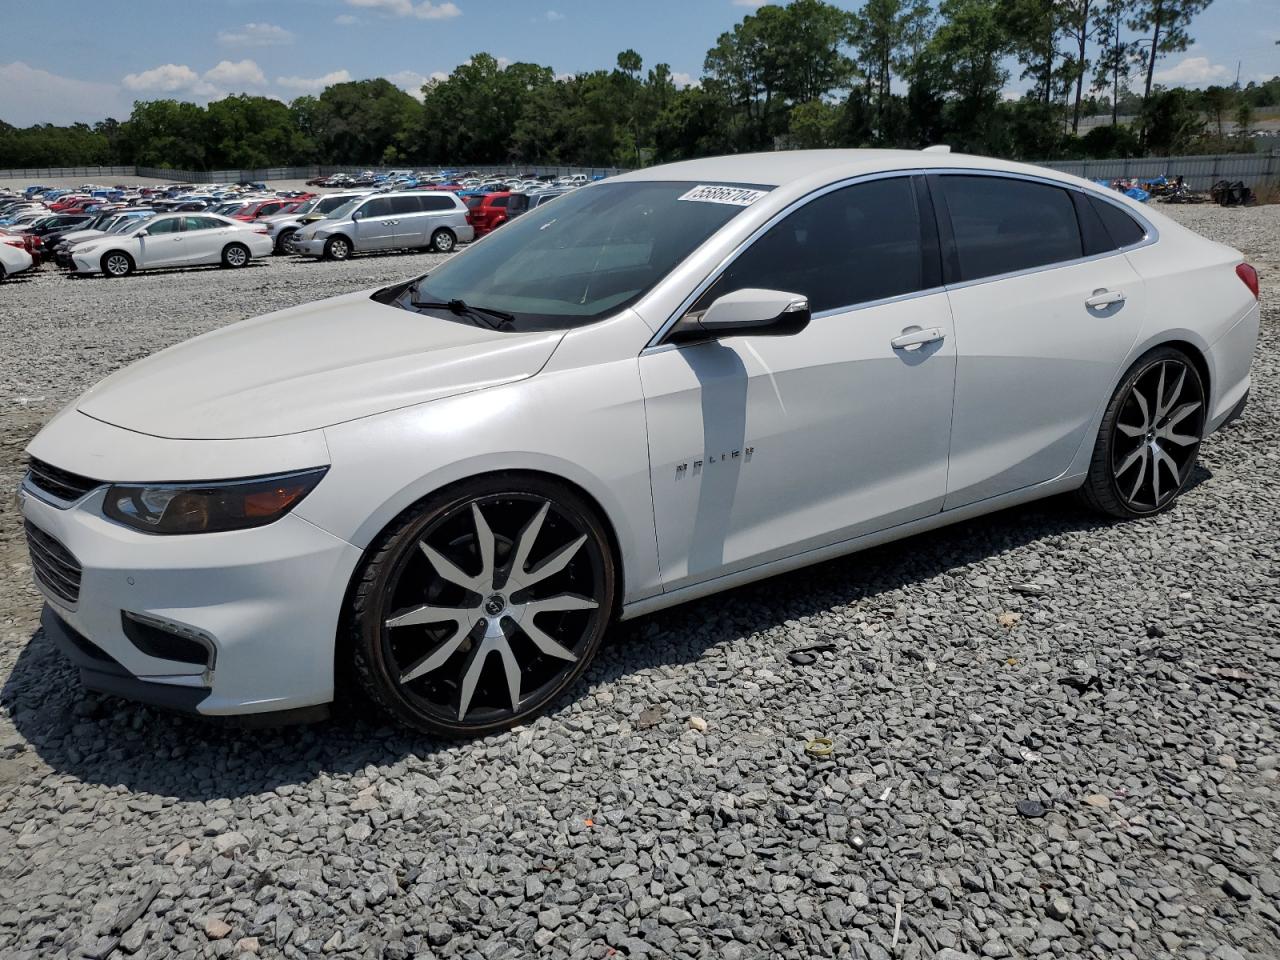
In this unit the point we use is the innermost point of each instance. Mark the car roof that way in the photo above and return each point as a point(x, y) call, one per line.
point(794, 166)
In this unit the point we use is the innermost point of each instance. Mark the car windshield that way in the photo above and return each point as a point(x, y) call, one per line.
point(345, 210)
point(592, 253)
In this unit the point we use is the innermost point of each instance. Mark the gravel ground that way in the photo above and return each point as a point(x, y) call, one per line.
point(667, 809)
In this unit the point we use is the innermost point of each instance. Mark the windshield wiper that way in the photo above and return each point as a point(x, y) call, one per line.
point(463, 309)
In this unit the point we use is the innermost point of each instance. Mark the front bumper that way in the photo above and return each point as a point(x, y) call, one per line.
point(265, 602)
point(309, 248)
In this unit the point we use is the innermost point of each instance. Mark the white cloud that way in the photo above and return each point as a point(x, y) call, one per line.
point(554, 15)
point(166, 78)
point(256, 35)
point(345, 19)
point(29, 95)
point(1194, 72)
point(313, 84)
point(682, 79)
point(241, 75)
point(423, 9)
point(750, 3)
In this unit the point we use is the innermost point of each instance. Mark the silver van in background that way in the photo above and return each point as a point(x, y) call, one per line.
point(413, 219)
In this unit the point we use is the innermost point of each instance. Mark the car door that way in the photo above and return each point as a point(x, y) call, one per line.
point(411, 222)
point(202, 239)
point(375, 228)
point(163, 244)
point(1042, 321)
point(766, 447)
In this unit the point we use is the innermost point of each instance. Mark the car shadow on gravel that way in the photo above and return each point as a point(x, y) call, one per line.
point(108, 741)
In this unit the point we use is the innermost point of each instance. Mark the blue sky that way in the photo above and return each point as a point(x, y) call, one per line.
point(114, 53)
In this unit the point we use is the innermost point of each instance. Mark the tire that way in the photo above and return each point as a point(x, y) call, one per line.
point(1149, 437)
point(546, 546)
point(284, 242)
point(337, 248)
point(443, 241)
point(117, 263)
point(235, 255)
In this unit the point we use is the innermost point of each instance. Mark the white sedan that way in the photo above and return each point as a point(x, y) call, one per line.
point(174, 240)
point(13, 256)
point(660, 386)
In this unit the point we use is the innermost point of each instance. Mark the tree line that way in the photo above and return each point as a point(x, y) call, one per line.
point(894, 73)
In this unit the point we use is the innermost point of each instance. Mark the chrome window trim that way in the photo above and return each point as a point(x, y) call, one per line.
point(657, 339)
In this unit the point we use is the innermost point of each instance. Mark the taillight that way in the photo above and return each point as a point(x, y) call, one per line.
point(15, 241)
point(1250, 277)
point(263, 230)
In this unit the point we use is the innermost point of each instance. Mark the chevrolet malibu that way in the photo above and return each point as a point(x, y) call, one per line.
point(660, 386)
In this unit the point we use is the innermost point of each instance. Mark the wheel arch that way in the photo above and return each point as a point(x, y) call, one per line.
point(342, 641)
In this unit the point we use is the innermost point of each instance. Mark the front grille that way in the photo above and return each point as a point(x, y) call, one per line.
point(55, 568)
point(59, 484)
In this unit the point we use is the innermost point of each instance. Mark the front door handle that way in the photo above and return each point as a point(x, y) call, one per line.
point(1104, 298)
point(911, 339)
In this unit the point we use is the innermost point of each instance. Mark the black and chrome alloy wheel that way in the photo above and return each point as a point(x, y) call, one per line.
point(1150, 437)
point(482, 610)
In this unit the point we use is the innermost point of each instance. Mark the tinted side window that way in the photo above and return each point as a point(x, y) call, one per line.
point(269, 208)
point(172, 225)
point(499, 201)
point(1123, 229)
point(404, 204)
point(437, 202)
point(381, 207)
point(850, 246)
point(1005, 225)
point(330, 203)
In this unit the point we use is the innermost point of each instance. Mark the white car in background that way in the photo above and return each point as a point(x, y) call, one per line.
point(173, 240)
point(13, 257)
point(660, 386)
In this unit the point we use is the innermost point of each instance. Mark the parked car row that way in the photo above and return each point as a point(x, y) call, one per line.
point(87, 234)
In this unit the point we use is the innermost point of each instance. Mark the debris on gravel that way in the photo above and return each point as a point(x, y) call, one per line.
point(616, 827)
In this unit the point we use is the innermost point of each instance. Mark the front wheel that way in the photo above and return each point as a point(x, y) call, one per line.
point(482, 604)
point(1149, 438)
point(117, 263)
point(337, 248)
point(284, 242)
point(235, 255)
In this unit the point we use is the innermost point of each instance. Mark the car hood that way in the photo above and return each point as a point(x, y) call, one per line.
point(309, 367)
point(75, 236)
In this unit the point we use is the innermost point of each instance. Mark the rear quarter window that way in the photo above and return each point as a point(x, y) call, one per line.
point(1122, 228)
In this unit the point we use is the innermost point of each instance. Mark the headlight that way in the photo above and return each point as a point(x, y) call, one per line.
point(209, 507)
point(86, 247)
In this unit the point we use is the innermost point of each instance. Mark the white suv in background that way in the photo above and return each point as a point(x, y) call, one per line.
point(391, 221)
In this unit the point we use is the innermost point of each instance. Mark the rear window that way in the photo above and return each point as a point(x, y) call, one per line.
point(473, 202)
point(404, 204)
point(498, 201)
point(1004, 225)
point(437, 201)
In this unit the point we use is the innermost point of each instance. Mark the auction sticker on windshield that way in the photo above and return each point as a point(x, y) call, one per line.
point(710, 193)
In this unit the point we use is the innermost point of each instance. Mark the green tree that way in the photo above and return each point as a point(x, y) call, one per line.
point(889, 35)
point(967, 59)
point(356, 122)
point(815, 123)
point(1165, 22)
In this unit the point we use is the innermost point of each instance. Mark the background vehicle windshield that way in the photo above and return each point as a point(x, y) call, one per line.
point(590, 253)
point(346, 209)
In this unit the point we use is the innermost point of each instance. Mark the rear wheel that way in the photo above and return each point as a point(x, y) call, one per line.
point(284, 242)
point(117, 263)
point(235, 255)
point(337, 248)
point(482, 605)
point(1149, 438)
point(443, 241)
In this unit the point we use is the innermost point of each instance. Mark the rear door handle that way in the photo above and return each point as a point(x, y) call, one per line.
point(1104, 298)
point(911, 339)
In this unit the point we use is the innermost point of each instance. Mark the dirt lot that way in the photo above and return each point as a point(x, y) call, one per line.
point(1137, 698)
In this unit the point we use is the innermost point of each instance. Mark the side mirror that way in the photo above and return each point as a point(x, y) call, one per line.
point(357, 215)
point(747, 312)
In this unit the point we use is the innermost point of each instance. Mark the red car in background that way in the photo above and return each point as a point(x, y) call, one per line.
point(487, 212)
point(266, 208)
point(65, 204)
